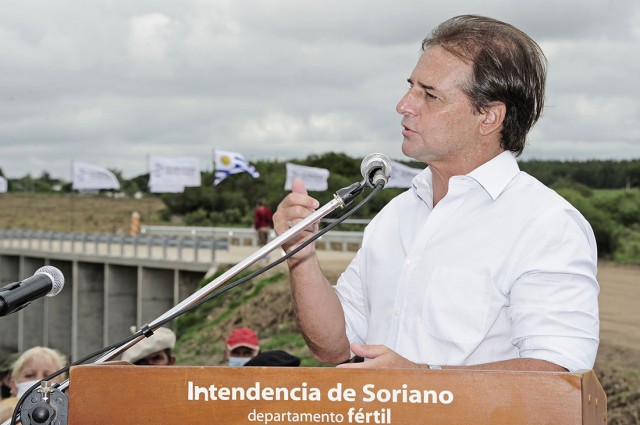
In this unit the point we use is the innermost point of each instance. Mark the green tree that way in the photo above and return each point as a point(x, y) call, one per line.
point(605, 229)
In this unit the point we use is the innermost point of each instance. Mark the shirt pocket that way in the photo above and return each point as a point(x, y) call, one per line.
point(456, 306)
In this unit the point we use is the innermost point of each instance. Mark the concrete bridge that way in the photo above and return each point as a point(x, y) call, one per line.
point(115, 282)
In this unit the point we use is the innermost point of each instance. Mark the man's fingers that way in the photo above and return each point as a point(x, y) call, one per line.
point(297, 186)
point(368, 351)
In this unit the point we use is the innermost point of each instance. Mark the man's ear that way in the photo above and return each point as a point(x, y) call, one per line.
point(492, 118)
point(172, 360)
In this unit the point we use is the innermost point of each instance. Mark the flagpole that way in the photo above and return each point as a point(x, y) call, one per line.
point(149, 187)
point(73, 203)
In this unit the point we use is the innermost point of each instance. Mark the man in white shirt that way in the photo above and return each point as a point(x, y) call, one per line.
point(478, 265)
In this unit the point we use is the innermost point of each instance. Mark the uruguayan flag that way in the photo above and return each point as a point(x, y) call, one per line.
point(228, 163)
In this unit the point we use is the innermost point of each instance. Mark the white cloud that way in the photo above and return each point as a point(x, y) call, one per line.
point(150, 35)
point(112, 82)
point(274, 127)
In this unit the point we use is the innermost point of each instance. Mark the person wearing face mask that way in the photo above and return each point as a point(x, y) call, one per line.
point(242, 346)
point(35, 364)
point(155, 350)
point(32, 366)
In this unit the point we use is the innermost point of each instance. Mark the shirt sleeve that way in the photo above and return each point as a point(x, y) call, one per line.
point(350, 292)
point(554, 300)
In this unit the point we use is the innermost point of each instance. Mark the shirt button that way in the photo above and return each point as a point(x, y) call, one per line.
point(411, 262)
point(396, 312)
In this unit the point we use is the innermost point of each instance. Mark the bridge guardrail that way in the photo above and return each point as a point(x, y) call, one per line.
point(332, 241)
point(144, 246)
point(190, 244)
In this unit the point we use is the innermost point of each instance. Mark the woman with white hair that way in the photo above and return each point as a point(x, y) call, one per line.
point(30, 367)
point(35, 364)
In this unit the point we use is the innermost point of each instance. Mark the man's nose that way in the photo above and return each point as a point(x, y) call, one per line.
point(406, 105)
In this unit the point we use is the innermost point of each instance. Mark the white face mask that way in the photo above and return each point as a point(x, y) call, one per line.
point(24, 386)
point(238, 361)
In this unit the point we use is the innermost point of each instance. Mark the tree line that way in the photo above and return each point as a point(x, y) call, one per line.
point(605, 191)
point(596, 174)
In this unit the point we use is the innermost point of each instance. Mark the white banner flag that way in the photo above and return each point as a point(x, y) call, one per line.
point(313, 178)
point(166, 188)
point(228, 163)
point(92, 177)
point(401, 175)
point(4, 185)
point(173, 174)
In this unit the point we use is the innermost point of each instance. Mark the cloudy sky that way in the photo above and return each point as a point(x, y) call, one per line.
point(110, 82)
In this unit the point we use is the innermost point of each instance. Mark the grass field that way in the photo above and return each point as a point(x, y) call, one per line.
point(75, 213)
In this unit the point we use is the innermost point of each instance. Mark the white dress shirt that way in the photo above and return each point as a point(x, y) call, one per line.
point(501, 268)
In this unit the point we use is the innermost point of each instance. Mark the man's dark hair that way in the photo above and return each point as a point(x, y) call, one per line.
point(508, 67)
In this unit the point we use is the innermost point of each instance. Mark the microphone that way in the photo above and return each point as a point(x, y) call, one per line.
point(375, 168)
point(47, 280)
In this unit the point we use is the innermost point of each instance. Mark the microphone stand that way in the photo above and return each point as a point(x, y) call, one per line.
point(341, 199)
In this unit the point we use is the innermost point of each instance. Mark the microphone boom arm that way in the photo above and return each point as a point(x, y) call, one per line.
point(340, 199)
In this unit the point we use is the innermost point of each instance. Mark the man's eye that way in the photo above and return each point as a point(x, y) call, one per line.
point(429, 95)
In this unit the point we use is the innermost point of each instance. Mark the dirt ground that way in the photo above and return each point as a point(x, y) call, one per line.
point(618, 362)
point(620, 305)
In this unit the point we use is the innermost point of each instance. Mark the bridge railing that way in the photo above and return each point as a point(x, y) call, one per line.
point(170, 247)
point(332, 241)
point(180, 243)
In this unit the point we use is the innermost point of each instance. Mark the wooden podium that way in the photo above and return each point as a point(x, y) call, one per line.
point(161, 395)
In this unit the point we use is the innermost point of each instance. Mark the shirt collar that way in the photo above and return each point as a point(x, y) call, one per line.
point(494, 175)
point(422, 185)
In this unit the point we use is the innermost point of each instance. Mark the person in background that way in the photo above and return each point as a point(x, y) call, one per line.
point(478, 264)
point(32, 366)
point(278, 358)
point(155, 350)
point(5, 374)
point(35, 364)
point(7, 401)
point(262, 222)
point(242, 346)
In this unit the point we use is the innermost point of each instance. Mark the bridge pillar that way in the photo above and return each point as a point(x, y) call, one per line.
point(88, 307)
point(121, 295)
point(101, 299)
point(156, 293)
point(9, 325)
point(59, 311)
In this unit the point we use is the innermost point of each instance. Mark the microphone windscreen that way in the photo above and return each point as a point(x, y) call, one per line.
point(375, 163)
point(57, 279)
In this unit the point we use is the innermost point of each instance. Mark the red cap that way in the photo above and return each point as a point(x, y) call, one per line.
point(243, 337)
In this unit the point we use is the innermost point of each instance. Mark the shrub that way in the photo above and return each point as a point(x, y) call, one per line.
point(606, 230)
